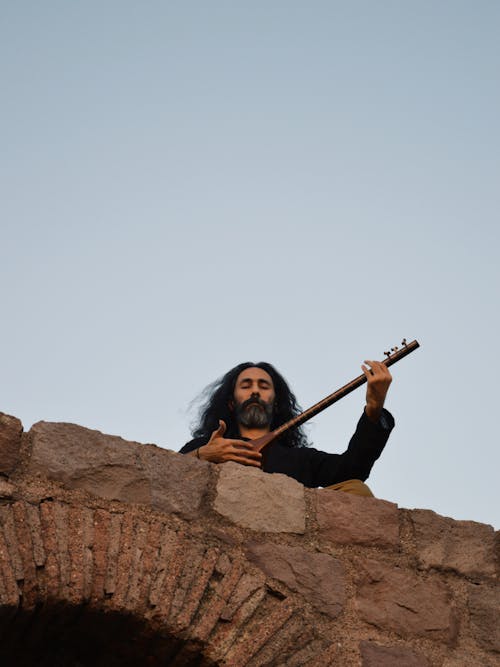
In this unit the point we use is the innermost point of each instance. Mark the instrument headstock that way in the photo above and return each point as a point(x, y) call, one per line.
point(396, 353)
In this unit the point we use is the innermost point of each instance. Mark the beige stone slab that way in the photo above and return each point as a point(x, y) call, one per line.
point(271, 503)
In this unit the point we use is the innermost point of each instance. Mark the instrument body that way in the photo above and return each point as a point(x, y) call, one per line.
point(392, 357)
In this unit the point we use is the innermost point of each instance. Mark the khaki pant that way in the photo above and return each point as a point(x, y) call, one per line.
point(355, 486)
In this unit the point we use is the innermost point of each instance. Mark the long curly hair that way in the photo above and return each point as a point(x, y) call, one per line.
point(216, 397)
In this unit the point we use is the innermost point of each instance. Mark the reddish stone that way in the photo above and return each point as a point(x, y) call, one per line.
point(60, 515)
point(241, 653)
point(33, 514)
point(325, 658)
point(75, 539)
point(150, 558)
point(398, 600)
point(169, 546)
point(88, 554)
point(82, 458)
point(7, 489)
point(465, 659)
point(254, 499)
point(133, 599)
point(350, 519)
point(30, 588)
point(7, 521)
point(462, 658)
point(178, 554)
point(192, 562)
point(197, 589)
point(290, 645)
point(124, 560)
point(99, 551)
point(484, 608)
point(222, 593)
point(318, 577)
point(464, 546)
point(225, 634)
point(9, 591)
point(246, 587)
point(113, 544)
point(374, 655)
point(113, 468)
point(80, 539)
point(11, 431)
point(51, 569)
point(178, 483)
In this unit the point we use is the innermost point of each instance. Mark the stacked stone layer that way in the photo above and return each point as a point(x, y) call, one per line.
point(226, 565)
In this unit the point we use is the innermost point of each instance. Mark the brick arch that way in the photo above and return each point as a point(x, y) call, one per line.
point(80, 574)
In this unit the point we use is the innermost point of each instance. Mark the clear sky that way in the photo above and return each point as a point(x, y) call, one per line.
point(188, 185)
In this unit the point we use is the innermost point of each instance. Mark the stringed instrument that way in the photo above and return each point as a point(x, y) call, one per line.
point(395, 354)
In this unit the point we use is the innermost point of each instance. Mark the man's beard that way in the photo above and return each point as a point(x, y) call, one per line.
point(254, 413)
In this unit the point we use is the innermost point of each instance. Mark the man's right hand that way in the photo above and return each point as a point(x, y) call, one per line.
point(219, 449)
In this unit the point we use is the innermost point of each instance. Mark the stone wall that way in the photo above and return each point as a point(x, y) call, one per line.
point(114, 552)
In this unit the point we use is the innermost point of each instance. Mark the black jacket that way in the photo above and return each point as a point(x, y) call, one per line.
point(314, 468)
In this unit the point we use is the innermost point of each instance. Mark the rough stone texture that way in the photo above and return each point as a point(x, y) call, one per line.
point(82, 458)
point(6, 489)
point(467, 659)
point(351, 519)
point(484, 608)
point(462, 658)
point(374, 655)
point(149, 561)
point(260, 501)
point(318, 577)
point(178, 482)
point(11, 431)
point(116, 469)
point(464, 546)
point(398, 600)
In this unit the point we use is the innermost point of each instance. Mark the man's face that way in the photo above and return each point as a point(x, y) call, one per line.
point(254, 398)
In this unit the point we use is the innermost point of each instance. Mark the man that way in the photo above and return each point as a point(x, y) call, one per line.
point(253, 399)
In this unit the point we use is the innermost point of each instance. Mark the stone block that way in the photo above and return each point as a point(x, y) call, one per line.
point(467, 547)
point(350, 519)
point(462, 658)
point(178, 482)
point(484, 609)
point(81, 458)
point(271, 503)
point(320, 578)
point(7, 489)
point(116, 469)
point(400, 601)
point(11, 431)
point(373, 655)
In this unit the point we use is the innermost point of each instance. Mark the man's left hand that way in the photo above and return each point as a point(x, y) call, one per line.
point(379, 380)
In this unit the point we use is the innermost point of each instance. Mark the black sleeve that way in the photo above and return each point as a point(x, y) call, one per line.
point(192, 445)
point(356, 462)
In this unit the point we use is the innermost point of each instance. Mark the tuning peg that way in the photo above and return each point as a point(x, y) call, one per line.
point(403, 342)
point(387, 354)
point(394, 349)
